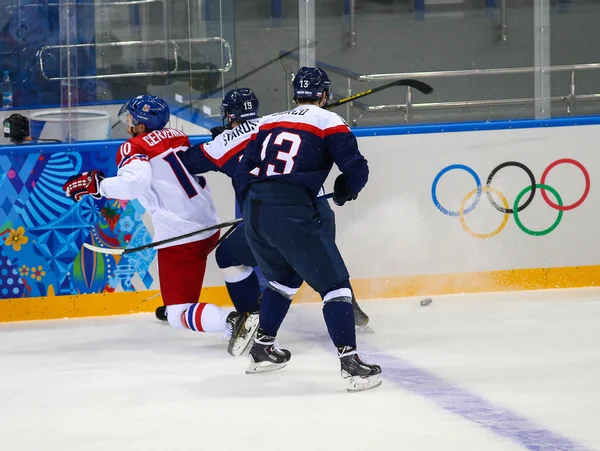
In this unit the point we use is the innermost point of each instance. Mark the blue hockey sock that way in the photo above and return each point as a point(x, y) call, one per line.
point(245, 293)
point(273, 308)
point(339, 318)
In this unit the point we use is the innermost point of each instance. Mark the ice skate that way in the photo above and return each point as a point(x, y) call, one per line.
point(161, 313)
point(241, 329)
point(265, 355)
point(359, 375)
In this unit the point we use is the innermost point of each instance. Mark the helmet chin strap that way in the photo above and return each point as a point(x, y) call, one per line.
point(226, 118)
point(133, 133)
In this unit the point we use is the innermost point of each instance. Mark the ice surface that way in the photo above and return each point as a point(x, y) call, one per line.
point(491, 372)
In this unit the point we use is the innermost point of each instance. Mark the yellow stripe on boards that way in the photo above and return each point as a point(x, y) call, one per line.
point(103, 304)
point(77, 306)
point(475, 282)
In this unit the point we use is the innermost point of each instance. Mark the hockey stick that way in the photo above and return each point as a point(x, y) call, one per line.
point(122, 251)
point(241, 77)
point(160, 311)
point(237, 80)
point(416, 84)
point(225, 235)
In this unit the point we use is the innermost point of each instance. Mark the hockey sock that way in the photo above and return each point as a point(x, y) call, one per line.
point(245, 293)
point(202, 317)
point(273, 308)
point(339, 317)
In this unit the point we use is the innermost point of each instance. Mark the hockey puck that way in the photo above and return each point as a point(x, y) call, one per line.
point(425, 302)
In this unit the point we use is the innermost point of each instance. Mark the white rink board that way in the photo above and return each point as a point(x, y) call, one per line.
point(395, 226)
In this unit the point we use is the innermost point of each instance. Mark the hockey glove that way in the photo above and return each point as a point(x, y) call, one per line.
point(87, 183)
point(216, 131)
point(341, 191)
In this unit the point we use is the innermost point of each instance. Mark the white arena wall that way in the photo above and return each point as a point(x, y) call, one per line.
point(407, 233)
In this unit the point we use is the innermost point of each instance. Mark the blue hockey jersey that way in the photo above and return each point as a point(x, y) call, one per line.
point(300, 147)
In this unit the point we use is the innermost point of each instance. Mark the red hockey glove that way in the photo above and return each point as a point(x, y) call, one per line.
point(87, 183)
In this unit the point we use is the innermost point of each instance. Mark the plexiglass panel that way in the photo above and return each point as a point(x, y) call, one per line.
point(477, 55)
point(72, 63)
point(574, 39)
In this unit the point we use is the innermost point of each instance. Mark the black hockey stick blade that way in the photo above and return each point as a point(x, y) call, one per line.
point(420, 86)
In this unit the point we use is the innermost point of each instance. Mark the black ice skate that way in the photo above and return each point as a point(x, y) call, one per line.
point(360, 375)
point(242, 328)
point(161, 313)
point(265, 355)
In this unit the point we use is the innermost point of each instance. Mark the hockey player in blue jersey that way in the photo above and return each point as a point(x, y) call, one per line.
point(234, 256)
point(282, 170)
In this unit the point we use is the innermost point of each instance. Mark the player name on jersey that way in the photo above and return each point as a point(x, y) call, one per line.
point(241, 129)
point(155, 137)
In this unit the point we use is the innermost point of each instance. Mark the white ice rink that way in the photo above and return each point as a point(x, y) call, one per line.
point(505, 371)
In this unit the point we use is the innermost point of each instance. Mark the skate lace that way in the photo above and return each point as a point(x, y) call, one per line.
point(268, 342)
point(362, 358)
point(347, 353)
point(276, 347)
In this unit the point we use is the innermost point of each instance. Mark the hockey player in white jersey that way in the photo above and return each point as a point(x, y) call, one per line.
point(150, 170)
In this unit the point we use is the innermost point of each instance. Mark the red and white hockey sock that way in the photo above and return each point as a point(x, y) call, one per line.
point(202, 317)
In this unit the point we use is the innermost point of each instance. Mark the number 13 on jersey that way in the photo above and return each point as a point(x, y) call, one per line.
point(286, 156)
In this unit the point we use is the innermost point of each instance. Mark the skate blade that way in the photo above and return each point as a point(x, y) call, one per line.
point(358, 383)
point(242, 342)
point(264, 367)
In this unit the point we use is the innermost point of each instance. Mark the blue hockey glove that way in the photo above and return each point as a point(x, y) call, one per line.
point(341, 191)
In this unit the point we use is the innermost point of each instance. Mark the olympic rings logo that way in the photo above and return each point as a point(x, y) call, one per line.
point(517, 206)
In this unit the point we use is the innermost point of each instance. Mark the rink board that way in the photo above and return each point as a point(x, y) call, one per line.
point(424, 225)
point(104, 304)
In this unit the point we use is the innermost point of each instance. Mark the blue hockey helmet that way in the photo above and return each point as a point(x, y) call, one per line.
point(312, 83)
point(239, 105)
point(149, 110)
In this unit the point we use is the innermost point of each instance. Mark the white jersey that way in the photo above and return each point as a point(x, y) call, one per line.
point(229, 144)
point(150, 171)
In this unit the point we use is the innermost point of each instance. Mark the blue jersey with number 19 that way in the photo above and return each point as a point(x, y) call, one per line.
point(300, 147)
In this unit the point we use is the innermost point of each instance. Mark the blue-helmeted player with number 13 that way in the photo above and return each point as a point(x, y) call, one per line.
point(284, 165)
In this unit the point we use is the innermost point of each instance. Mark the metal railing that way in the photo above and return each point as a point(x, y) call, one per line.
point(171, 42)
point(503, 26)
point(409, 106)
point(503, 21)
